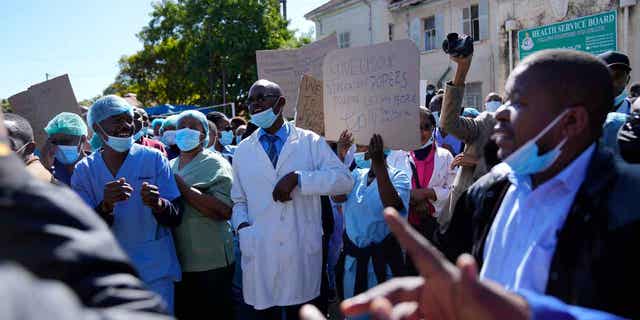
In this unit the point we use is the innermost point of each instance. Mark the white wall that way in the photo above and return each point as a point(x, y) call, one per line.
point(353, 19)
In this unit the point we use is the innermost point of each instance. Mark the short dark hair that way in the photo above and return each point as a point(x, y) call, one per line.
point(19, 129)
point(436, 101)
point(238, 121)
point(427, 113)
point(216, 116)
point(574, 78)
point(212, 128)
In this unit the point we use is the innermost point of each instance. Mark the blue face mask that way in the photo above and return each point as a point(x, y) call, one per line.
point(226, 138)
point(67, 154)
point(138, 135)
point(169, 138)
point(618, 100)
point(266, 118)
point(238, 139)
point(360, 161)
point(527, 161)
point(359, 158)
point(492, 106)
point(187, 139)
point(118, 144)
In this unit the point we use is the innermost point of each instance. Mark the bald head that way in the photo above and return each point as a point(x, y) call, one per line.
point(493, 97)
point(266, 87)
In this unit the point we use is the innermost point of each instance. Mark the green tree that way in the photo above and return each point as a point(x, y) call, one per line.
point(6, 106)
point(201, 51)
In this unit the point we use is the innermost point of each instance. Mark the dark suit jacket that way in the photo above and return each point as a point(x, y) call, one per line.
point(50, 232)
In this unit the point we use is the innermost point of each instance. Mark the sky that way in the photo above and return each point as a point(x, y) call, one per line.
point(82, 38)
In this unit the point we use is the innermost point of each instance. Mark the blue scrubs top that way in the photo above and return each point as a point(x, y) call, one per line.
point(148, 244)
point(364, 219)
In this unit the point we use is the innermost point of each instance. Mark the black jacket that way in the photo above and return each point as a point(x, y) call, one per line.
point(50, 232)
point(594, 264)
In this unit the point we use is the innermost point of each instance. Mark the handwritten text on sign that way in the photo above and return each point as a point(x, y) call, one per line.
point(286, 67)
point(310, 114)
point(374, 89)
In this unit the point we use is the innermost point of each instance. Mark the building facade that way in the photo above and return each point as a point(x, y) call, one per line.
point(492, 23)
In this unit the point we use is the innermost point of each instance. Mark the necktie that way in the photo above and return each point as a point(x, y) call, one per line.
point(272, 151)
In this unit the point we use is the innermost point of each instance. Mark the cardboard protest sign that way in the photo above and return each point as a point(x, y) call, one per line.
point(286, 67)
point(43, 101)
point(310, 113)
point(373, 89)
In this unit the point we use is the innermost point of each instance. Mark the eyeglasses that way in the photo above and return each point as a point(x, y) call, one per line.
point(252, 101)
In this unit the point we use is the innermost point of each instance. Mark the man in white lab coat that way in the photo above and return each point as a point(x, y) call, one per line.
point(280, 172)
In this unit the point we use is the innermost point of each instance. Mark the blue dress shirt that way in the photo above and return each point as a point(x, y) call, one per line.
point(282, 134)
point(523, 236)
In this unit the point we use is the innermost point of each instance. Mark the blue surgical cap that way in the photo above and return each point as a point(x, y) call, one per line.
point(66, 123)
point(200, 117)
point(106, 107)
point(156, 122)
point(470, 112)
point(169, 121)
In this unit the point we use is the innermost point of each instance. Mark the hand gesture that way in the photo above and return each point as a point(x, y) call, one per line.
point(464, 160)
point(376, 149)
point(284, 187)
point(442, 291)
point(115, 191)
point(344, 143)
point(48, 153)
point(151, 196)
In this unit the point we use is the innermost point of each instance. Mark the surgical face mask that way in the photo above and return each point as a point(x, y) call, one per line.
point(118, 144)
point(226, 138)
point(266, 118)
point(360, 161)
point(238, 139)
point(169, 137)
point(67, 154)
point(492, 106)
point(138, 135)
point(527, 161)
point(430, 92)
point(618, 100)
point(187, 139)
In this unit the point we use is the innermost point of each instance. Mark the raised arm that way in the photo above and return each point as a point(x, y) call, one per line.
point(463, 128)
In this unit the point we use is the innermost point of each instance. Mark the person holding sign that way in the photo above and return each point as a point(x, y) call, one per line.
point(66, 139)
point(280, 173)
point(133, 189)
point(372, 254)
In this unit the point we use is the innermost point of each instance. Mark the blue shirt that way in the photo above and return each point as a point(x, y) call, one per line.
point(454, 142)
point(364, 219)
point(523, 236)
point(282, 134)
point(148, 244)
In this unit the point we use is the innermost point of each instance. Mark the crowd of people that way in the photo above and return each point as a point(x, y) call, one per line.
point(523, 210)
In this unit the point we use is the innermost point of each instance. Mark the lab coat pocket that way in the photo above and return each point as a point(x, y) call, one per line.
point(246, 238)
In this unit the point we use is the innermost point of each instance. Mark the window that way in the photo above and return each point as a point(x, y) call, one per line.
point(473, 95)
point(391, 32)
point(344, 40)
point(430, 33)
point(471, 22)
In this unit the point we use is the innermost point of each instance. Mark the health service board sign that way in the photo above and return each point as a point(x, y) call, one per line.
point(594, 34)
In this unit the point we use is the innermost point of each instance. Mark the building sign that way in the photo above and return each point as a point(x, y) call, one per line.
point(594, 34)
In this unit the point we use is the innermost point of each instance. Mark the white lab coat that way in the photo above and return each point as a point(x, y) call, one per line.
point(282, 249)
point(441, 179)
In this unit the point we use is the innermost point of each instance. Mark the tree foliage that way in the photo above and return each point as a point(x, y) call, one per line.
point(6, 106)
point(194, 50)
